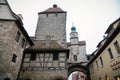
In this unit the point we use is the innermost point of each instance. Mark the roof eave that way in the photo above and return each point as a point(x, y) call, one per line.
point(20, 26)
point(111, 25)
point(46, 50)
point(51, 12)
point(113, 35)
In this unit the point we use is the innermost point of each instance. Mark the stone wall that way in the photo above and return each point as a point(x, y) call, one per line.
point(43, 75)
point(9, 47)
point(53, 25)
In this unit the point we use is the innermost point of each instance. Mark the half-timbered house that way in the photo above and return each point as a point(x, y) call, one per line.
point(45, 58)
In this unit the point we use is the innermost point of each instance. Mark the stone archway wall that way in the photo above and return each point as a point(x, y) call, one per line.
point(6, 76)
point(44, 75)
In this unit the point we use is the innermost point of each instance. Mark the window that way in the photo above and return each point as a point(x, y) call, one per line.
point(107, 77)
point(97, 65)
point(55, 56)
point(14, 58)
point(33, 56)
point(75, 57)
point(100, 78)
point(117, 78)
point(47, 15)
point(67, 55)
point(91, 69)
point(117, 47)
point(110, 53)
point(56, 14)
point(101, 61)
point(17, 37)
point(23, 43)
point(27, 79)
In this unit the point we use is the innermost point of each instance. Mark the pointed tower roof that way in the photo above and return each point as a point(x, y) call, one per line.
point(53, 9)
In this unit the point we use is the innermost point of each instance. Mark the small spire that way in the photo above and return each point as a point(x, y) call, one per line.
point(72, 24)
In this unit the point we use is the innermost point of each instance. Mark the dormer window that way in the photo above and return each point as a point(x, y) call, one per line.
point(112, 29)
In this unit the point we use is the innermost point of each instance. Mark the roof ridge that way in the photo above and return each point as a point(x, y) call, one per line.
point(53, 9)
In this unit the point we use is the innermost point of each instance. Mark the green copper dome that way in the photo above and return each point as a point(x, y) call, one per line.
point(73, 29)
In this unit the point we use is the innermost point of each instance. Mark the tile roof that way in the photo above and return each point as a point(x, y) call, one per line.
point(53, 9)
point(80, 43)
point(44, 44)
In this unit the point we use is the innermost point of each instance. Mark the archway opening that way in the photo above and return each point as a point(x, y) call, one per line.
point(77, 72)
point(77, 75)
point(7, 79)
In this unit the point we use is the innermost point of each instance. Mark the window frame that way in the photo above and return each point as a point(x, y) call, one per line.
point(110, 53)
point(14, 58)
point(17, 38)
point(101, 61)
point(117, 47)
point(23, 43)
point(107, 77)
point(33, 56)
point(117, 77)
point(97, 67)
point(91, 69)
point(55, 56)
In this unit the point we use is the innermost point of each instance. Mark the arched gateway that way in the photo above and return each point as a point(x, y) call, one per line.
point(76, 70)
point(51, 54)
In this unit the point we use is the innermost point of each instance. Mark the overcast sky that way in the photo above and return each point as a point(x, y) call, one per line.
point(90, 17)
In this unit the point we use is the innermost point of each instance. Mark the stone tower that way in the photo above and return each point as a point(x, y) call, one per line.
point(77, 48)
point(52, 24)
point(47, 59)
